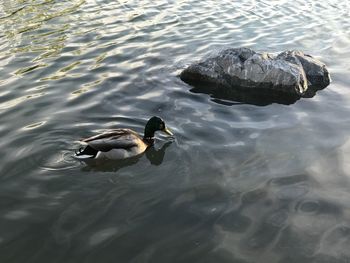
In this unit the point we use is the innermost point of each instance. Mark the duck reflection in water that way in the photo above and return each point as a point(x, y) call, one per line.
point(154, 155)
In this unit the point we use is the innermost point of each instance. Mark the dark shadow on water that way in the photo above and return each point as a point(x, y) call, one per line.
point(230, 97)
point(238, 95)
point(155, 157)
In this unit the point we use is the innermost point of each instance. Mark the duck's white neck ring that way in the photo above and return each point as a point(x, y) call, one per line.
point(149, 140)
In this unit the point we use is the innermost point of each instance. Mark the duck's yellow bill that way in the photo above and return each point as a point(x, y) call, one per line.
point(167, 131)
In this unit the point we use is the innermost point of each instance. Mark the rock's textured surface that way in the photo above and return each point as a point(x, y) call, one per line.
point(242, 70)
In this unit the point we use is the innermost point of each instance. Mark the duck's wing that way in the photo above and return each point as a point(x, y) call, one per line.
point(113, 139)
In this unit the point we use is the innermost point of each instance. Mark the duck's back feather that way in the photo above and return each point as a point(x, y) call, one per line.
point(114, 139)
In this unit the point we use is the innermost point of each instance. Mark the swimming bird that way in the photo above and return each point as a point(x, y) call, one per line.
point(121, 143)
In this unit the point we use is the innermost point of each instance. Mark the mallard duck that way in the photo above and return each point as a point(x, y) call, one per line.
point(121, 143)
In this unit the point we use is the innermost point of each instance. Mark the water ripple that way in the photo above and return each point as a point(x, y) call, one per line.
point(239, 184)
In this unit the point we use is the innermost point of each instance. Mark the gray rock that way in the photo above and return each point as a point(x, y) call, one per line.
point(315, 71)
point(242, 71)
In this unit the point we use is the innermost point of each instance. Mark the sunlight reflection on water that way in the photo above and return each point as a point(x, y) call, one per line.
point(240, 183)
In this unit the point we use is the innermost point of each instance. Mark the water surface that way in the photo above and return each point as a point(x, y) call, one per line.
point(241, 183)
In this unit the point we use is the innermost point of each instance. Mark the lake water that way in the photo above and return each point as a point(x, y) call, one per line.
point(240, 183)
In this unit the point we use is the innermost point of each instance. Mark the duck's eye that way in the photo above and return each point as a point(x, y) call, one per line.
point(161, 126)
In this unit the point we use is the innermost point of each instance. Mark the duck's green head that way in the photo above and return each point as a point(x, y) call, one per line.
point(155, 124)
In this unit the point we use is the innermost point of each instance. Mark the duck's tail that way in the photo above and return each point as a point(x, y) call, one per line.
point(85, 153)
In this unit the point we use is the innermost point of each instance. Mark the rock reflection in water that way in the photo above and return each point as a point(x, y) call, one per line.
point(262, 98)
